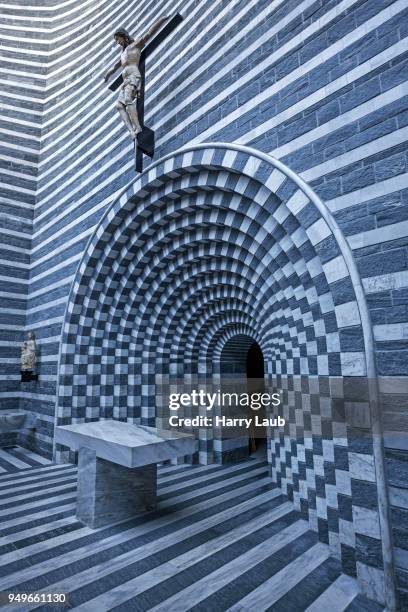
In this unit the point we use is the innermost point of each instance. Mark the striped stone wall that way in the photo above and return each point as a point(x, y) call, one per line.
point(319, 85)
point(22, 79)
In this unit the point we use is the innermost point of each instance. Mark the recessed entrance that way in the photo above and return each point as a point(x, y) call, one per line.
point(242, 370)
point(255, 371)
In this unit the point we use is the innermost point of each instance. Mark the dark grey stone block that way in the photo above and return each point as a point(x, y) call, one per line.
point(397, 468)
point(368, 551)
point(390, 166)
point(362, 177)
point(348, 560)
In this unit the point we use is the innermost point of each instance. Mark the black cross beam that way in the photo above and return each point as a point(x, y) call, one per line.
point(145, 140)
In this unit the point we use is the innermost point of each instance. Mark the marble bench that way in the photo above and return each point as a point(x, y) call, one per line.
point(16, 420)
point(117, 466)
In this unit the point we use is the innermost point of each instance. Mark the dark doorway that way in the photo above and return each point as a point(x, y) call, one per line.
point(255, 367)
point(255, 371)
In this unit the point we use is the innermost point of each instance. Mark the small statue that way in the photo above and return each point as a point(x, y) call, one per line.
point(29, 354)
point(131, 88)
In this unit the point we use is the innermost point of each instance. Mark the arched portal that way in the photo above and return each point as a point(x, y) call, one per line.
point(214, 241)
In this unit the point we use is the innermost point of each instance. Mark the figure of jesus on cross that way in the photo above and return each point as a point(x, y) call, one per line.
point(131, 87)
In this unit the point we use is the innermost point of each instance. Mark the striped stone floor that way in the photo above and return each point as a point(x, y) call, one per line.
point(222, 538)
point(16, 458)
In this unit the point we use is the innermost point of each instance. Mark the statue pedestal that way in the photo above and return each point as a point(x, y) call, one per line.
point(28, 376)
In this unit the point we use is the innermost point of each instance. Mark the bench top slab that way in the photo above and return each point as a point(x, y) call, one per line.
point(15, 419)
point(125, 443)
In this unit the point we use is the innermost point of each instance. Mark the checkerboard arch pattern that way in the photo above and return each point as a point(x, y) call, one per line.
point(204, 245)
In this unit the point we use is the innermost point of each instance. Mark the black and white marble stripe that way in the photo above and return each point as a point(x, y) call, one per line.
point(203, 548)
point(17, 458)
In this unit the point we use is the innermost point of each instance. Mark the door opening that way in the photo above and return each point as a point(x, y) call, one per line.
point(255, 371)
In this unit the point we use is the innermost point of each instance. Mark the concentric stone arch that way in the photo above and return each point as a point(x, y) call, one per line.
point(207, 216)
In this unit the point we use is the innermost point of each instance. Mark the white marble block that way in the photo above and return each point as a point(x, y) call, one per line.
point(125, 443)
point(117, 475)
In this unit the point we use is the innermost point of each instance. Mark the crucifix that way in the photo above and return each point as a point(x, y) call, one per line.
point(130, 103)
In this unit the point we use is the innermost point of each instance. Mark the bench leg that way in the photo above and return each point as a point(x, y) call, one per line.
point(108, 492)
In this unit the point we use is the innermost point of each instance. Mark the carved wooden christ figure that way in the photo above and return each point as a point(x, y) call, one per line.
point(131, 87)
